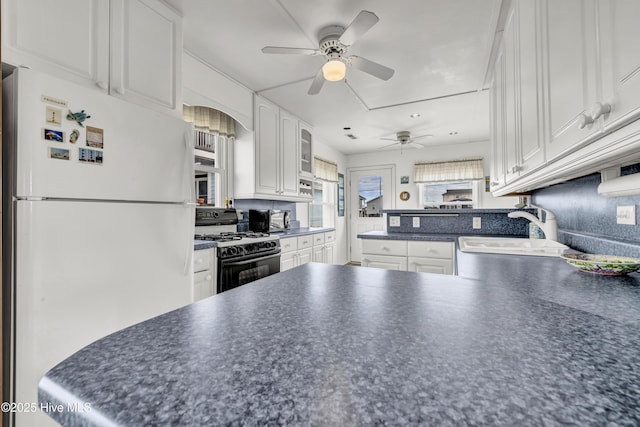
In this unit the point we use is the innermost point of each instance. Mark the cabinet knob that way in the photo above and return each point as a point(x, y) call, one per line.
point(516, 168)
point(495, 183)
point(208, 277)
point(599, 109)
point(584, 120)
point(384, 248)
point(102, 84)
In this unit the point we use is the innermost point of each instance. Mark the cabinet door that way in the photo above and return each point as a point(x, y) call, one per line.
point(318, 253)
point(328, 253)
point(266, 142)
point(621, 60)
point(68, 39)
point(530, 113)
point(202, 285)
point(497, 125)
point(304, 256)
point(387, 262)
point(570, 52)
point(512, 137)
point(306, 153)
point(289, 154)
point(430, 265)
point(287, 260)
point(146, 53)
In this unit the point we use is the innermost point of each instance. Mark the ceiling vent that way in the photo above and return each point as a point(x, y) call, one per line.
point(350, 135)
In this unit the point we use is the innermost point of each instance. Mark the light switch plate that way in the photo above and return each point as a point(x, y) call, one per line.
point(394, 221)
point(626, 215)
point(477, 223)
point(416, 222)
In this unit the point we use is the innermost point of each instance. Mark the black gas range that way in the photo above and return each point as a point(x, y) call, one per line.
point(242, 257)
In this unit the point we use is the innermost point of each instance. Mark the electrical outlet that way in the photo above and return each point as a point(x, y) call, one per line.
point(477, 223)
point(626, 215)
point(416, 222)
point(394, 221)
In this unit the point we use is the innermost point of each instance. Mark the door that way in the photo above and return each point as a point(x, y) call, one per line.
point(371, 190)
point(267, 125)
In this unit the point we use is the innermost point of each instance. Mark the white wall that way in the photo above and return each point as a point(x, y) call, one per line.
point(405, 160)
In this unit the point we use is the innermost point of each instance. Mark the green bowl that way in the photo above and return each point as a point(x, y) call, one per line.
point(610, 265)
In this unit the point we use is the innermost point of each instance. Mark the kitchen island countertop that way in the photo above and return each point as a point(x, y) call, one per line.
point(517, 341)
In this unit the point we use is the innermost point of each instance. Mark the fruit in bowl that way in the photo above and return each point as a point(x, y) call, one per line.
point(603, 264)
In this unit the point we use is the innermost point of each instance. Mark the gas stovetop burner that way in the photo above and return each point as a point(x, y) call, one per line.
point(228, 236)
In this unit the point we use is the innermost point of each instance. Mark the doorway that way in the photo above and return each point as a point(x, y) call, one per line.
point(371, 190)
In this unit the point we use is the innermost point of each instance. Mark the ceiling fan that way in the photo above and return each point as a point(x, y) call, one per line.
point(334, 44)
point(405, 140)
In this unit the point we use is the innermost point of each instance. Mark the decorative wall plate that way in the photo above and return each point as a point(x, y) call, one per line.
point(404, 196)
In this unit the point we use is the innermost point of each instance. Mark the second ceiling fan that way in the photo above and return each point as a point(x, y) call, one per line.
point(334, 44)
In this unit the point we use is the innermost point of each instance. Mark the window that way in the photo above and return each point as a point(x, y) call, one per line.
point(449, 195)
point(370, 196)
point(322, 210)
point(211, 175)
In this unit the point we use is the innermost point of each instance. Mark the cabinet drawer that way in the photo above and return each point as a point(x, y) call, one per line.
point(387, 262)
point(330, 237)
point(384, 247)
point(201, 260)
point(431, 249)
point(305, 241)
point(318, 239)
point(288, 245)
point(430, 265)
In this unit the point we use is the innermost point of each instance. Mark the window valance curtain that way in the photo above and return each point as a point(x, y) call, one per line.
point(454, 170)
point(325, 170)
point(208, 120)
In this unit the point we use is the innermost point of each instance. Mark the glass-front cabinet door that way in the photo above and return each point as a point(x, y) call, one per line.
point(306, 156)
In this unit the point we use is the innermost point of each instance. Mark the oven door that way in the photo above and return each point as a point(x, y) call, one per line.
point(236, 272)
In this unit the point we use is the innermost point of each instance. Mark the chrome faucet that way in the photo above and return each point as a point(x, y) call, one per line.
point(549, 226)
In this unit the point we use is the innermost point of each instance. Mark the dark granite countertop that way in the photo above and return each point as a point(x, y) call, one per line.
point(517, 341)
point(203, 244)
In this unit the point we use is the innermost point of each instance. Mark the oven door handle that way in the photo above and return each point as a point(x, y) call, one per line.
point(232, 263)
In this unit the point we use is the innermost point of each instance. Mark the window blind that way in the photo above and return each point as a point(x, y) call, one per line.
point(208, 120)
point(325, 170)
point(454, 170)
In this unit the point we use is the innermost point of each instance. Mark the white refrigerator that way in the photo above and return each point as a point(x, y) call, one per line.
point(97, 223)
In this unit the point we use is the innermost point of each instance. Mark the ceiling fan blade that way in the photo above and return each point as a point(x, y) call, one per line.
point(370, 67)
point(388, 139)
point(363, 22)
point(290, 50)
point(421, 136)
point(317, 83)
point(414, 145)
point(390, 145)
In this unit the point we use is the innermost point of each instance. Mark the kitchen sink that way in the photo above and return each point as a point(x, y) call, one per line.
point(511, 246)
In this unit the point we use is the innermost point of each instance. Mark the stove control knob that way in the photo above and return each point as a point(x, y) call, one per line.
point(231, 251)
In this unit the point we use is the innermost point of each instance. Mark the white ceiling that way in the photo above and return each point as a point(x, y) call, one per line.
point(440, 50)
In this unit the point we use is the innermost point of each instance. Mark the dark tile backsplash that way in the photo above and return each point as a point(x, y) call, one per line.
point(587, 220)
point(460, 221)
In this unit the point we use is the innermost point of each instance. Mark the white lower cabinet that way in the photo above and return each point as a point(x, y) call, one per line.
point(204, 280)
point(300, 250)
point(385, 261)
point(416, 256)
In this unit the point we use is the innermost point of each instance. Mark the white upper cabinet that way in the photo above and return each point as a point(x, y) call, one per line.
point(146, 53)
point(68, 39)
point(570, 48)
point(131, 49)
point(275, 151)
point(620, 52)
point(565, 91)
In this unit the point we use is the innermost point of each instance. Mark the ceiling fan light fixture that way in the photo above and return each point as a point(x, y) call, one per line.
point(334, 70)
